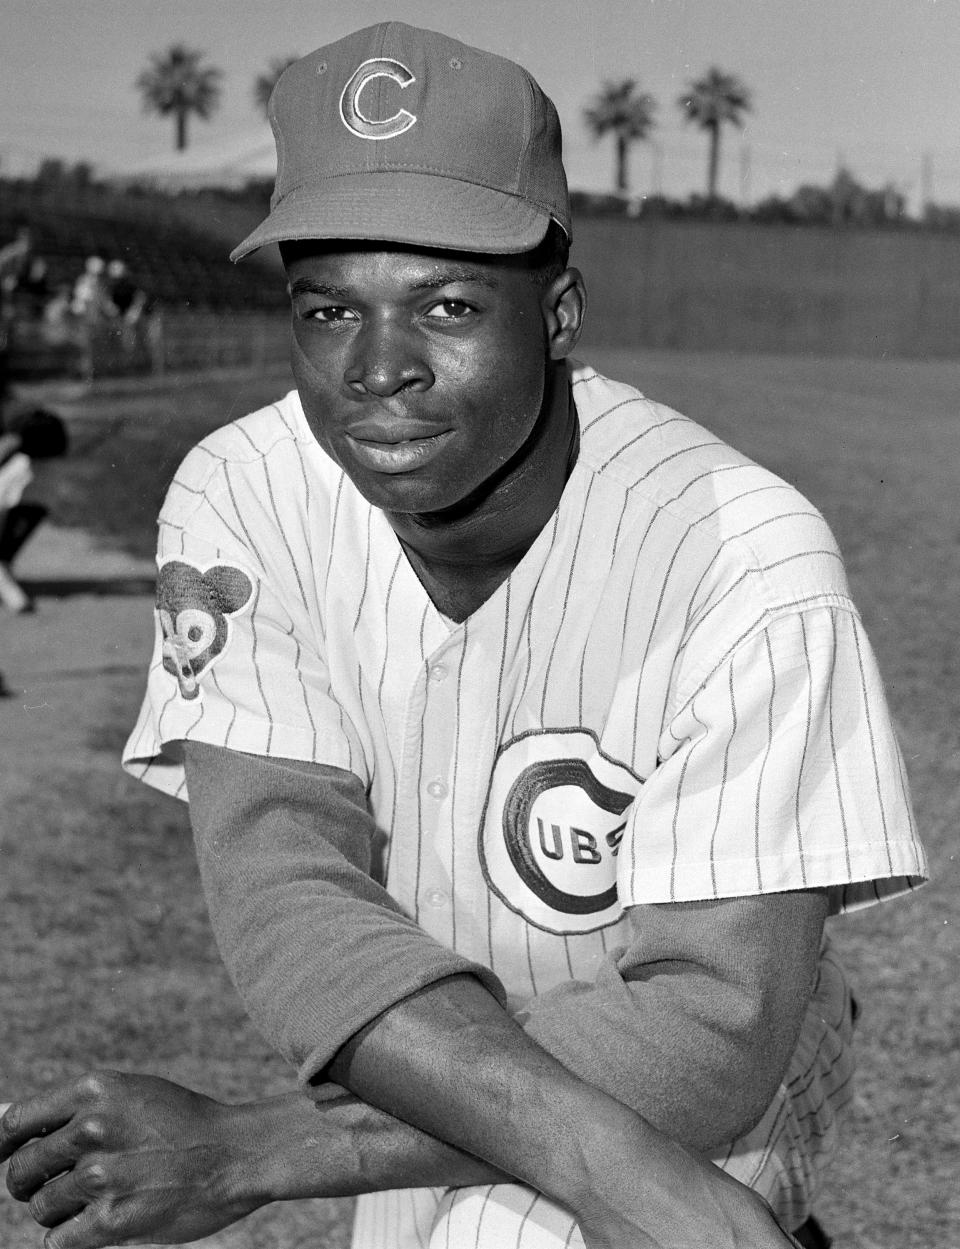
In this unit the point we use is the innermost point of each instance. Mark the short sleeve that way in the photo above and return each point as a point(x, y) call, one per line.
point(781, 771)
point(237, 661)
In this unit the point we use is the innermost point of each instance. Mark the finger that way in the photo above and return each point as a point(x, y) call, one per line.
point(37, 1162)
point(95, 1227)
point(57, 1201)
point(35, 1116)
point(83, 1231)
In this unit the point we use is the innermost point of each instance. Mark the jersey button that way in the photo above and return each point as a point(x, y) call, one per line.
point(435, 897)
point(438, 672)
point(437, 789)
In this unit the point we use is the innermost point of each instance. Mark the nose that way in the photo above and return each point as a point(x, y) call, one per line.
point(386, 358)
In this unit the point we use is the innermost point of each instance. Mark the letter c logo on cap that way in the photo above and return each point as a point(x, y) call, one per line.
point(365, 127)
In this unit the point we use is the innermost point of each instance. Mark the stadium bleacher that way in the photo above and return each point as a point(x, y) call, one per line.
point(175, 261)
point(176, 250)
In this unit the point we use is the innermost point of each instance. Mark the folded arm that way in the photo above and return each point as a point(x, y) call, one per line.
point(692, 1025)
point(703, 1008)
point(446, 1087)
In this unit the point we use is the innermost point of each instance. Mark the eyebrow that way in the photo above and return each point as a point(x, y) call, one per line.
point(449, 275)
point(309, 286)
point(457, 273)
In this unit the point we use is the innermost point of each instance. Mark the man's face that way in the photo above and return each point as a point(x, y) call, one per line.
point(421, 373)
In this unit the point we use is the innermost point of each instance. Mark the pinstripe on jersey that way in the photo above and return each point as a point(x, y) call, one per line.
point(671, 697)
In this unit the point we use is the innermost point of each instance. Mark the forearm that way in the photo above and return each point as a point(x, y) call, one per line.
point(451, 1062)
point(478, 1077)
point(329, 1143)
point(121, 1159)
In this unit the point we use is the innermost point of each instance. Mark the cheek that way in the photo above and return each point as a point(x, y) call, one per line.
point(315, 386)
point(314, 374)
point(513, 400)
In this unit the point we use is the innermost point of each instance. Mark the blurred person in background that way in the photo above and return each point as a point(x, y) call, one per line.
point(128, 304)
point(33, 290)
point(14, 261)
point(15, 256)
point(121, 289)
point(91, 296)
point(92, 308)
point(29, 436)
point(57, 323)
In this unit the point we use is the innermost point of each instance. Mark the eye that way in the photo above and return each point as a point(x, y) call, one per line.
point(334, 314)
point(450, 310)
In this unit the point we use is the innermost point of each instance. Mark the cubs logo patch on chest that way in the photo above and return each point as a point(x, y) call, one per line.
point(553, 822)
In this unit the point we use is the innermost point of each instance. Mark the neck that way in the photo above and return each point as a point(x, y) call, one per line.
point(488, 533)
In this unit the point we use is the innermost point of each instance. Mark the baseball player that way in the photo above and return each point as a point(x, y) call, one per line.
point(529, 733)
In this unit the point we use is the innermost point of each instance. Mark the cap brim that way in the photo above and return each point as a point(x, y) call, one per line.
point(424, 210)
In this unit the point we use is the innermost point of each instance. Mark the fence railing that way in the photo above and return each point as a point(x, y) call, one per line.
point(168, 341)
point(185, 341)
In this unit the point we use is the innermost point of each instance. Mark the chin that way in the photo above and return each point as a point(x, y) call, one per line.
point(403, 493)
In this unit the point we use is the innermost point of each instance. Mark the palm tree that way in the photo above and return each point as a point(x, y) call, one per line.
point(629, 113)
point(176, 82)
point(711, 101)
point(265, 82)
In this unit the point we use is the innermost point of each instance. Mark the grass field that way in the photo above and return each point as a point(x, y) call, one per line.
point(106, 957)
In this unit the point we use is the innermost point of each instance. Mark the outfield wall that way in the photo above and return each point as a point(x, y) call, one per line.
point(744, 287)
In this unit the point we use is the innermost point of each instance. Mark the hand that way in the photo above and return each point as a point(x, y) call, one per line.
point(691, 1205)
point(114, 1159)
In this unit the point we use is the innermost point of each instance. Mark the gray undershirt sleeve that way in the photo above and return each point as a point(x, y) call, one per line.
point(316, 947)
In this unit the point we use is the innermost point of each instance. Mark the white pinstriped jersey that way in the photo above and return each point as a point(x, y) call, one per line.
point(670, 698)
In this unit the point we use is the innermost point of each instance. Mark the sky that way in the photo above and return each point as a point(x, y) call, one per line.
point(868, 84)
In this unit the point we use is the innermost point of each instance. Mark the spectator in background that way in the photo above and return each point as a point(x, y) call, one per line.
point(91, 298)
point(121, 290)
point(14, 259)
point(137, 309)
point(128, 303)
point(32, 435)
point(15, 256)
point(92, 308)
point(33, 290)
point(58, 325)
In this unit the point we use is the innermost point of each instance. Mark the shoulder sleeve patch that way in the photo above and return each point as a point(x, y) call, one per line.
point(195, 606)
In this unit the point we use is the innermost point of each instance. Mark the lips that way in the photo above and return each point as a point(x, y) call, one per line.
point(395, 447)
point(384, 428)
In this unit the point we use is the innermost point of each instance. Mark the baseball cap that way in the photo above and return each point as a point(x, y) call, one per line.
point(409, 136)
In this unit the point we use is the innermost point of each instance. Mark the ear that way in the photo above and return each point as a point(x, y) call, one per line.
point(231, 587)
point(564, 305)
